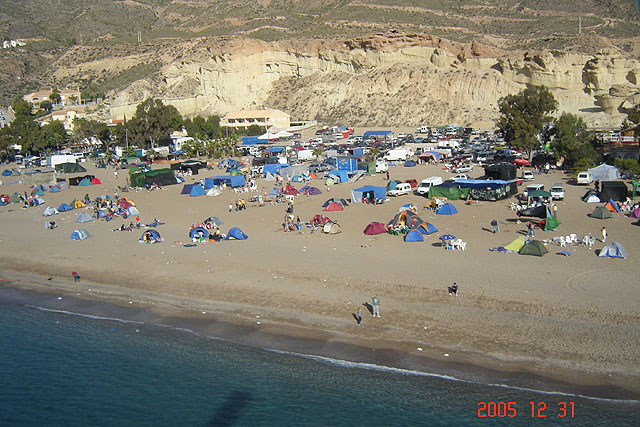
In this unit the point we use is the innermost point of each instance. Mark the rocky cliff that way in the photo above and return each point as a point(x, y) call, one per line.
point(386, 79)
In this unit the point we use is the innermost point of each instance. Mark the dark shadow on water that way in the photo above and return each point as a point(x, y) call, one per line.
point(231, 409)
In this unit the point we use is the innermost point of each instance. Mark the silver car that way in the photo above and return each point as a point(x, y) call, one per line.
point(557, 191)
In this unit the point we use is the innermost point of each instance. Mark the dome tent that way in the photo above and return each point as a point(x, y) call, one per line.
point(613, 250)
point(152, 236)
point(414, 236)
point(83, 217)
point(64, 208)
point(50, 211)
point(447, 209)
point(375, 228)
point(534, 247)
point(236, 234)
point(79, 234)
point(197, 232)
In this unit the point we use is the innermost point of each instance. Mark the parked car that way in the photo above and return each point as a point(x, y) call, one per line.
point(460, 176)
point(463, 168)
point(584, 178)
point(521, 162)
point(532, 187)
point(527, 176)
point(401, 189)
point(412, 182)
point(557, 191)
point(426, 184)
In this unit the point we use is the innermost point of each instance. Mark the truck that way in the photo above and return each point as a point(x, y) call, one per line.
point(396, 154)
point(426, 184)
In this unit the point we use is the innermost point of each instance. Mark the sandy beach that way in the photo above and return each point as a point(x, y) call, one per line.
point(570, 320)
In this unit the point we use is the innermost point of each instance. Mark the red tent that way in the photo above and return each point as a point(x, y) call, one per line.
point(319, 220)
point(333, 206)
point(124, 204)
point(96, 181)
point(375, 228)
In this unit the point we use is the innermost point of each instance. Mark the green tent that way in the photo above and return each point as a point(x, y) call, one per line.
point(157, 176)
point(15, 199)
point(551, 223)
point(85, 182)
point(516, 245)
point(534, 247)
point(601, 212)
point(70, 168)
point(451, 193)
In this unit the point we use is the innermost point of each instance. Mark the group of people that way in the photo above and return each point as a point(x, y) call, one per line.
point(290, 225)
point(240, 205)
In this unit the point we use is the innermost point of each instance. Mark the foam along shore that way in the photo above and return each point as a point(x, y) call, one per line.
point(572, 319)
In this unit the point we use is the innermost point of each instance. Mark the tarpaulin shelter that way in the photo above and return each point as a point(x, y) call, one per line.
point(236, 234)
point(601, 213)
point(197, 190)
point(500, 171)
point(333, 206)
point(197, 232)
point(477, 189)
point(451, 193)
point(604, 172)
point(83, 217)
point(534, 247)
point(70, 168)
point(192, 166)
point(375, 228)
point(368, 192)
point(409, 164)
point(50, 210)
point(539, 211)
point(615, 190)
point(413, 236)
point(516, 244)
point(613, 250)
point(159, 177)
point(611, 206)
point(331, 228)
point(151, 236)
point(64, 208)
point(447, 209)
point(273, 168)
point(79, 234)
point(39, 177)
point(232, 181)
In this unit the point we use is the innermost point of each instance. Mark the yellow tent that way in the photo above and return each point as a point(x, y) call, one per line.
point(516, 245)
point(77, 204)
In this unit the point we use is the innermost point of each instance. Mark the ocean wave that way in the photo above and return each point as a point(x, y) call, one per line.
point(89, 316)
point(390, 369)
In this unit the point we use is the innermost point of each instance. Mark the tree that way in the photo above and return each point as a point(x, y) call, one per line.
point(87, 129)
point(523, 116)
point(6, 141)
point(21, 108)
point(317, 153)
point(46, 106)
point(254, 130)
point(571, 140)
point(209, 128)
point(152, 123)
point(54, 135)
point(54, 96)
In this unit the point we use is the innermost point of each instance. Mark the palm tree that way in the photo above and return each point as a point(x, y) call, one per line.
point(317, 152)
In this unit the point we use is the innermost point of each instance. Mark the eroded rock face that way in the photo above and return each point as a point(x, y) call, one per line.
point(407, 80)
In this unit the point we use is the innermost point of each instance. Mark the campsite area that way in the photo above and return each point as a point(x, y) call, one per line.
point(571, 318)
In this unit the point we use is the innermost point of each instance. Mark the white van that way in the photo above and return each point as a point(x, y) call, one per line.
point(381, 166)
point(584, 178)
point(401, 189)
point(426, 184)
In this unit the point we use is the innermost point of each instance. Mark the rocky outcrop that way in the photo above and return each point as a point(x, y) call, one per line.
point(382, 80)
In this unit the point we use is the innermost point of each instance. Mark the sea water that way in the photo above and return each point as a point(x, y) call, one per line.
point(60, 369)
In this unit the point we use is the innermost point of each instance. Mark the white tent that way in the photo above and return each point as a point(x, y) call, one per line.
point(604, 172)
point(269, 177)
point(613, 250)
point(215, 191)
point(593, 199)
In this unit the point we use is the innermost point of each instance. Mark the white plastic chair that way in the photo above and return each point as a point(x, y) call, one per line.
point(463, 246)
point(563, 242)
point(574, 238)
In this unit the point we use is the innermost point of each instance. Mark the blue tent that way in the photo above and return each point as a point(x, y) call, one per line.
point(341, 175)
point(230, 180)
point(54, 189)
point(64, 208)
point(274, 192)
point(236, 234)
point(409, 164)
point(613, 250)
point(414, 236)
point(273, 168)
point(197, 231)
point(427, 228)
point(6, 172)
point(377, 133)
point(230, 163)
point(378, 193)
point(392, 184)
point(197, 190)
point(39, 187)
point(80, 234)
point(50, 211)
point(154, 236)
point(186, 189)
point(83, 217)
point(447, 209)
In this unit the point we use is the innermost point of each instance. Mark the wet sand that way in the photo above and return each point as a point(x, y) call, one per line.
point(570, 320)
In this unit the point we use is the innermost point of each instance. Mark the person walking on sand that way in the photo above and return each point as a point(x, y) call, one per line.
point(531, 230)
point(359, 316)
point(76, 276)
point(604, 235)
point(375, 301)
point(494, 223)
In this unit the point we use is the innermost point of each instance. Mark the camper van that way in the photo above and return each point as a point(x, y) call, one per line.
point(381, 166)
point(584, 178)
point(401, 189)
point(397, 154)
point(426, 184)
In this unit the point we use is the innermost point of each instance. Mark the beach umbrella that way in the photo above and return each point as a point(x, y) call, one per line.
point(446, 237)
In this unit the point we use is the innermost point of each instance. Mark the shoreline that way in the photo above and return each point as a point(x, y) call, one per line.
point(119, 303)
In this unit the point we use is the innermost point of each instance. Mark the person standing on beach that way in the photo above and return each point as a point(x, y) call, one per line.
point(531, 231)
point(375, 301)
point(76, 276)
point(604, 235)
point(359, 316)
point(494, 223)
point(230, 207)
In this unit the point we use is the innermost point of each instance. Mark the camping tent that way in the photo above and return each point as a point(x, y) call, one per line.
point(591, 196)
point(413, 236)
point(600, 213)
point(70, 168)
point(504, 171)
point(635, 213)
point(55, 189)
point(533, 247)
point(408, 217)
point(152, 236)
point(79, 234)
point(76, 180)
point(516, 244)
point(213, 220)
point(331, 228)
point(197, 232)
point(50, 211)
point(96, 181)
point(310, 191)
point(409, 164)
point(64, 208)
point(613, 250)
point(14, 199)
point(616, 190)
point(374, 228)
point(236, 234)
point(85, 182)
point(368, 192)
point(426, 228)
point(215, 191)
point(197, 190)
point(83, 217)
point(132, 210)
point(186, 189)
point(604, 172)
point(333, 206)
point(343, 202)
point(611, 206)
point(158, 177)
point(447, 209)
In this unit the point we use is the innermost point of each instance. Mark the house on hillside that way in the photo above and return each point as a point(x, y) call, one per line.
point(67, 97)
point(266, 118)
point(66, 116)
